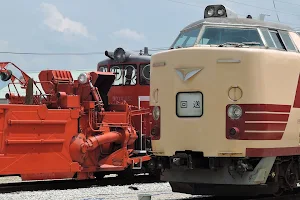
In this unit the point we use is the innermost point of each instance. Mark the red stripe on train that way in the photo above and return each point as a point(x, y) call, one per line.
point(264, 136)
point(266, 107)
point(258, 128)
point(266, 117)
point(297, 95)
point(265, 126)
point(282, 151)
point(269, 152)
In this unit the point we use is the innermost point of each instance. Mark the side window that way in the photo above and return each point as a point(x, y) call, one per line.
point(191, 41)
point(187, 38)
point(268, 38)
point(277, 40)
point(287, 40)
point(180, 40)
point(144, 74)
point(102, 68)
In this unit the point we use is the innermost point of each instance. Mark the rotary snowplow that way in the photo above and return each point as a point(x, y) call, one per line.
point(65, 128)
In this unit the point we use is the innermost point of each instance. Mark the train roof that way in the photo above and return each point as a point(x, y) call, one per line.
point(238, 22)
point(132, 58)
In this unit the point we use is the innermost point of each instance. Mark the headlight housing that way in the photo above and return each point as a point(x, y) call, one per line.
point(83, 78)
point(235, 112)
point(120, 55)
point(156, 113)
point(215, 11)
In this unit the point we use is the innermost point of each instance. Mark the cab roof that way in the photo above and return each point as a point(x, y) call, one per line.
point(132, 59)
point(238, 22)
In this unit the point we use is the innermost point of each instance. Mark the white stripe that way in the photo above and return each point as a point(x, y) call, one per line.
point(257, 131)
point(144, 98)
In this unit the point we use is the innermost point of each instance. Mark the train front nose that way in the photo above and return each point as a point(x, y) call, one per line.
point(214, 100)
point(184, 85)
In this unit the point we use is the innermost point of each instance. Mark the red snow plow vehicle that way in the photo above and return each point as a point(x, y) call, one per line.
point(65, 128)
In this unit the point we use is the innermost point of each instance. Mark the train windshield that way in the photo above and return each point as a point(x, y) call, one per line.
point(187, 38)
point(144, 74)
point(222, 35)
point(127, 74)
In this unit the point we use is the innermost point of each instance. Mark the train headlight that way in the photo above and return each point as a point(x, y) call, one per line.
point(83, 78)
point(210, 12)
point(221, 12)
point(120, 55)
point(234, 112)
point(156, 113)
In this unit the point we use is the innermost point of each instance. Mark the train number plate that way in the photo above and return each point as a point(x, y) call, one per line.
point(189, 104)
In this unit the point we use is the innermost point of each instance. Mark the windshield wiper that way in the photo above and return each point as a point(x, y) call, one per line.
point(251, 43)
point(236, 44)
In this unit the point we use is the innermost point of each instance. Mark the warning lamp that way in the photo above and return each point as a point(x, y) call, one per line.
point(215, 11)
point(233, 131)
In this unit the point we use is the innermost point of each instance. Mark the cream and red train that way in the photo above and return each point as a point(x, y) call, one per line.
point(229, 106)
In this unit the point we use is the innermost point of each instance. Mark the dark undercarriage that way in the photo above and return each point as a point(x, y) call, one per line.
point(191, 173)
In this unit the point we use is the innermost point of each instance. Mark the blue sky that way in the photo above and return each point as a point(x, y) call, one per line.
point(77, 26)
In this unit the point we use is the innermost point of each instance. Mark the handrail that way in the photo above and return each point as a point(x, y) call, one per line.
point(37, 95)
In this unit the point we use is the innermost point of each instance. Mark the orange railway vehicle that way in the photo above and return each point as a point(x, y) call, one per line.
point(132, 84)
point(67, 129)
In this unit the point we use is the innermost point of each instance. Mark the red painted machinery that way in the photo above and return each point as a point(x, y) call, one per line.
point(67, 128)
point(132, 84)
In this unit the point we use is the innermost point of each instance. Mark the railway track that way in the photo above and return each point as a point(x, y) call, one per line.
point(71, 184)
point(285, 197)
point(115, 181)
point(295, 195)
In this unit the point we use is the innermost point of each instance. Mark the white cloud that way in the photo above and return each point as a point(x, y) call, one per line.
point(57, 22)
point(129, 34)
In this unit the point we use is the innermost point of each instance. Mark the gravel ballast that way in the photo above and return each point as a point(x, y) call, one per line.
point(157, 190)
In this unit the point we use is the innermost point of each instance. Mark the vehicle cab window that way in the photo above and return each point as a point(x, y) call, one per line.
point(287, 40)
point(244, 35)
point(144, 73)
point(268, 38)
point(278, 39)
point(102, 69)
point(125, 74)
point(186, 38)
point(222, 35)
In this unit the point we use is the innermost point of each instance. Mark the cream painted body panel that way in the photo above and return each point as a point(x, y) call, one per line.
point(265, 77)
